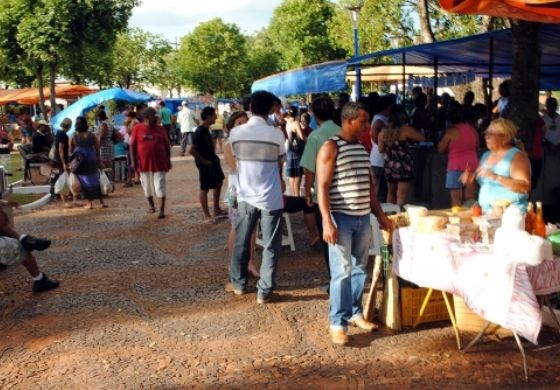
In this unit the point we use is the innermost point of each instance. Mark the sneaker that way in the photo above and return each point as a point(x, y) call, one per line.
point(262, 300)
point(339, 337)
point(361, 323)
point(31, 243)
point(237, 291)
point(44, 284)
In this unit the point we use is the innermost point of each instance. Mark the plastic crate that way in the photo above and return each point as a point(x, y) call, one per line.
point(411, 301)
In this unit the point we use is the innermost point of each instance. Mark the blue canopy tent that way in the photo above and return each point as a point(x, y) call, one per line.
point(487, 55)
point(325, 77)
point(88, 102)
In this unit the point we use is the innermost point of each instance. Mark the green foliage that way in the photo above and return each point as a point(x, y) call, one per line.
point(299, 30)
point(213, 58)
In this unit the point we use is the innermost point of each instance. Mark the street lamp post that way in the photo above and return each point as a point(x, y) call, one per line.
point(354, 13)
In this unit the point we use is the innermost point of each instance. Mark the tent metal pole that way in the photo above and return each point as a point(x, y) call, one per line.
point(490, 79)
point(435, 102)
point(403, 76)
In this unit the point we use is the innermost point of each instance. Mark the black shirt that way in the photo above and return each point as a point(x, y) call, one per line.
point(41, 142)
point(61, 138)
point(202, 141)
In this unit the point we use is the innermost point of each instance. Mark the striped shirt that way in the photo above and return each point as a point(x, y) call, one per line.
point(349, 192)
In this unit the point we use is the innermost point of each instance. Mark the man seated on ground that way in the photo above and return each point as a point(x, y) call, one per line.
point(16, 248)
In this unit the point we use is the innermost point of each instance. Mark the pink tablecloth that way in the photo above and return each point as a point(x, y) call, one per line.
point(497, 290)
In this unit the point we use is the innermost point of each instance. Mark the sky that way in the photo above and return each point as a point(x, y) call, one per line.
point(175, 18)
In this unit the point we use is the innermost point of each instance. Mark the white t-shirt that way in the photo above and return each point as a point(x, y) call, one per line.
point(185, 118)
point(377, 159)
point(552, 129)
point(257, 147)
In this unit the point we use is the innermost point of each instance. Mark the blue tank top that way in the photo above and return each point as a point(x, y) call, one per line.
point(491, 191)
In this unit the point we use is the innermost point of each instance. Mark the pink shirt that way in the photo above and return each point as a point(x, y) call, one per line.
point(462, 151)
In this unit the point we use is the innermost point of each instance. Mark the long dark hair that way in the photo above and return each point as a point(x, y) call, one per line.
point(81, 124)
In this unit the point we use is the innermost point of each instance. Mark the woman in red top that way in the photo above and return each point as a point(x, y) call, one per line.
point(460, 142)
point(151, 151)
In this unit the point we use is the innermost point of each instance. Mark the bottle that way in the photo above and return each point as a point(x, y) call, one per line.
point(476, 210)
point(539, 228)
point(530, 218)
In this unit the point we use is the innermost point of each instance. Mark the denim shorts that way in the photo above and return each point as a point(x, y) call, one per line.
point(452, 181)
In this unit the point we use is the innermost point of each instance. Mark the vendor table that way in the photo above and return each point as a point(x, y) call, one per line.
point(499, 291)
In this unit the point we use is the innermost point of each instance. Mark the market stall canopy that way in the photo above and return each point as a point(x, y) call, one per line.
point(543, 11)
point(86, 103)
point(325, 77)
point(31, 95)
point(485, 54)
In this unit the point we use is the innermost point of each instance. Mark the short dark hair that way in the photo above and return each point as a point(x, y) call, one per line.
point(293, 112)
point(343, 98)
point(101, 115)
point(468, 98)
point(81, 124)
point(455, 113)
point(246, 102)
point(322, 108)
point(351, 110)
point(383, 103)
point(149, 111)
point(262, 102)
point(207, 112)
point(162, 103)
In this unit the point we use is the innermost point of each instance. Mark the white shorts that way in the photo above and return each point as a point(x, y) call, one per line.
point(153, 184)
point(11, 251)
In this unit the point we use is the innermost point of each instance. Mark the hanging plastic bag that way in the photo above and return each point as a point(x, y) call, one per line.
point(106, 185)
point(61, 185)
point(74, 184)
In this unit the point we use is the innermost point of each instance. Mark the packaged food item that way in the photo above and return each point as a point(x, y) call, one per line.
point(431, 223)
point(414, 213)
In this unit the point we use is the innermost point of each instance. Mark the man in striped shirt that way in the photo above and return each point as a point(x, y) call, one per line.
point(346, 195)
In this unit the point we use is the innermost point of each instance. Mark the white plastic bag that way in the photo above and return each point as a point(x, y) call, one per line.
point(61, 185)
point(74, 184)
point(106, 185)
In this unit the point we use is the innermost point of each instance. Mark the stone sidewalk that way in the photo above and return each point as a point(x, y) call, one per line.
point(142, 305)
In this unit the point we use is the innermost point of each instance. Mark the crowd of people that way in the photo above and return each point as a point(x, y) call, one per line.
point(340, 161)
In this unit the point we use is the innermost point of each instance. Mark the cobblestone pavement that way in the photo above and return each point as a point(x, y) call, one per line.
point(142, 305)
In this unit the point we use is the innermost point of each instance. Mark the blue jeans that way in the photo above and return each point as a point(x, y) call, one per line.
point(348, 260)
point(247, 218)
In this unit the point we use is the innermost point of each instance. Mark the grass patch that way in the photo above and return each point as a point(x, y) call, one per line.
point(24, 198)
point(15, 167)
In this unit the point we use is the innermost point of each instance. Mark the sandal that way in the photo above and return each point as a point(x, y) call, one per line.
point(315, 241)
point(151, 210)
point(208, 221)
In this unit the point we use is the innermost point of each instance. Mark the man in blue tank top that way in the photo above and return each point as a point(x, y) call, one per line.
point(346, 194)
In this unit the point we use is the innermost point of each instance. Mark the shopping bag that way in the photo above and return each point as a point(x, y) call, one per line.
point(74, 184)
point(61, 185)
point(106, 185)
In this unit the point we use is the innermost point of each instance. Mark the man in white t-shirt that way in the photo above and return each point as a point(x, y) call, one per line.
point(187, 122)
point(259, 150)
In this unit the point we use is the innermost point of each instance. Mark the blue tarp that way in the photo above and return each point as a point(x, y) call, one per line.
point(468, 54)
point(472, 53)
point(88, 102)
point(325, 77)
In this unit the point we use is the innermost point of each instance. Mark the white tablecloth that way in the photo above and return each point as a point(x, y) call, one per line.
point(499, 291)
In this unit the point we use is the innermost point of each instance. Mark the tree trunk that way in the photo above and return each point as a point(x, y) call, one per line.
point(40, 85)
point(53, 89)
point(523, 105)
point(426, 32)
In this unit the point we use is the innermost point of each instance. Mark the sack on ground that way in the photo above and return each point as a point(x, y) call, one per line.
point(106, 185)
point(74, 184)
point(61, 185)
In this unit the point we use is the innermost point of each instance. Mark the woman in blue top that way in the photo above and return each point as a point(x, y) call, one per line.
point(504, 173)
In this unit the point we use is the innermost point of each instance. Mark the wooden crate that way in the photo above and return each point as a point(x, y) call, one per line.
point(468, 321)
point(411, 301)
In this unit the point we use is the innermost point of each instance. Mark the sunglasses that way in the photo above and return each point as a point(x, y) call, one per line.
point(492, 134)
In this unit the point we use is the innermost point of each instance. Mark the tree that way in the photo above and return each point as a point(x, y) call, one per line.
point(58, 34)
point(262, 59)
point(299, 30)
point(213, 58)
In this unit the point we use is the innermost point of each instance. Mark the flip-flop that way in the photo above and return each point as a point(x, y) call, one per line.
point(315, 242)
point(221, 214)
point(208, 221)
point(151, 210)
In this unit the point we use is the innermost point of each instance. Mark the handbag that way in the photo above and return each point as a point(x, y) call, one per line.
point(296, 145)
point(77, 159)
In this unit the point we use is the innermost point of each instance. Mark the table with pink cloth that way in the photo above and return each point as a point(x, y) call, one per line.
point(501, 292)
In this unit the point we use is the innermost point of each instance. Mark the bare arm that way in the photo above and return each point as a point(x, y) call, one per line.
point(228, 157)
point(325, 168)
point(309, 180)
point(413, 134)
point(376, 128)
point(194, 152)
point(96, 141)
point(381, 143)
point(443, 144)
point(520, 172)
point(376, 209)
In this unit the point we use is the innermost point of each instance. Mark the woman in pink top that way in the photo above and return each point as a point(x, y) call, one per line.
point(460, 142)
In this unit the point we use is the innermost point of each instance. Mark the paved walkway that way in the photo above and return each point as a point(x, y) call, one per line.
point(142, 305)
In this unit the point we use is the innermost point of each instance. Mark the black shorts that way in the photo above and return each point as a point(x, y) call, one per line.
point(210, 177)
point(295, 204)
